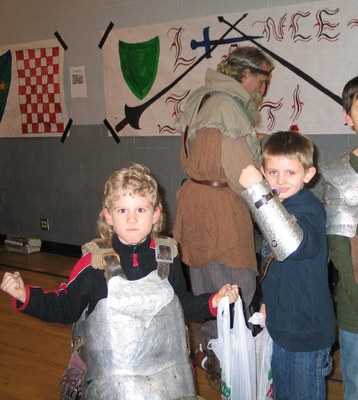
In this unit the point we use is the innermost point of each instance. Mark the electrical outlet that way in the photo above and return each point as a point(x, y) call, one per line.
point(44, 224)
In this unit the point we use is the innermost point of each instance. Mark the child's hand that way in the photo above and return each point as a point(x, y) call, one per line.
point(249, 176)
point(263, 311)
point(232, 291)
point(14, 286)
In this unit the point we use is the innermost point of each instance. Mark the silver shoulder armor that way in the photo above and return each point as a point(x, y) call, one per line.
point(277, 225)
point(340, 196)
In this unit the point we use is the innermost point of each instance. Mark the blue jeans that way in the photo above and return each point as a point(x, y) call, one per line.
point(348, 360)
point(300, 375)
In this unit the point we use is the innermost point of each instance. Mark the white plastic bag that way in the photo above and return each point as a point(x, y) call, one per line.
point(263, 349)
point(235, 349)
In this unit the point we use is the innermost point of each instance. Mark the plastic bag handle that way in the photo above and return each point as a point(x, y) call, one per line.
point(224, 336)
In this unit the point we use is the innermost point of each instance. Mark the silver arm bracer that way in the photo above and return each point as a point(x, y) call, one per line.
point(277, 225)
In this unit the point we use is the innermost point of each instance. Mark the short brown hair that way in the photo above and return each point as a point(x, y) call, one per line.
point(289, 144)
point(349, 94)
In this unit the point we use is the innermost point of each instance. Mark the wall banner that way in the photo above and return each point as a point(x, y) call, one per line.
point(149, 71)
point(31, 90)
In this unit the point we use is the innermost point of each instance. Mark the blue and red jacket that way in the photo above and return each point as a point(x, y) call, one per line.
point(87, 286)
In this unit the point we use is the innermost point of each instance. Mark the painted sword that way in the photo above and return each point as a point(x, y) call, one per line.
point(207, 43)
point(133, 114)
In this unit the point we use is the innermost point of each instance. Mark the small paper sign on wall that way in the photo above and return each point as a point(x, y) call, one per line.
point(78, 82)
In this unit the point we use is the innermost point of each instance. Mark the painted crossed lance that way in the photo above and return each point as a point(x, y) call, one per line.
point(133, 114)
point(287, 64)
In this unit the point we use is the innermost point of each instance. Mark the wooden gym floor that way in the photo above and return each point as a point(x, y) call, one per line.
point(34, 353)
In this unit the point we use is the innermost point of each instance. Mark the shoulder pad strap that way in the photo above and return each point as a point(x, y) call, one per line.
point(99, 249)
point(167, 240)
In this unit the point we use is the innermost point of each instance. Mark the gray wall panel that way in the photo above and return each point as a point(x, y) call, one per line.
point(44, 178)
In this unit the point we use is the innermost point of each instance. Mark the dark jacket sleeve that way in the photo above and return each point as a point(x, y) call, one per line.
point(311, 219)
point(65, 305)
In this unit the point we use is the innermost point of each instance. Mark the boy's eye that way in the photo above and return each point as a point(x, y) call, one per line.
point(291, 173)
point(121, 210)
point(141, 210)
point(272, 172)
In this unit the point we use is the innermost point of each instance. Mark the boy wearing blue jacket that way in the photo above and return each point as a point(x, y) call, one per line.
point(296, 297)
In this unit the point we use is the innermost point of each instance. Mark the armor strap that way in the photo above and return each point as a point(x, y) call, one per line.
point(265, 267)
point(266, 198)
point(112, 265)
point(105, 258)
point(99, 249)
point(166, 250)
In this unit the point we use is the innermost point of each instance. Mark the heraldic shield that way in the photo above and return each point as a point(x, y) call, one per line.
point(139, 64)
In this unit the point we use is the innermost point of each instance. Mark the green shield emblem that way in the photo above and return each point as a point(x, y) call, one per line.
point(5, 80)
point(139, 64)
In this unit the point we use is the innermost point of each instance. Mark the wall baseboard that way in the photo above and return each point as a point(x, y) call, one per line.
point(56, 248)
point(61, 248)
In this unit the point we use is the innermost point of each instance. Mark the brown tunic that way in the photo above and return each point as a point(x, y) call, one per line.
point(214, 223)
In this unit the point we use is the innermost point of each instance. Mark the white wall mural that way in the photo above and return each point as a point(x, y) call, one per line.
point(149, 71)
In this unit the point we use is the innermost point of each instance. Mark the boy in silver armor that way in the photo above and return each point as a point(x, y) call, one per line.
point(123, 296)
point(296, 297)
point(340, 196)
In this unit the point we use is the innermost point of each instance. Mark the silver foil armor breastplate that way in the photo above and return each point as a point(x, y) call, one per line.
point(135, 343)
point(340, 196)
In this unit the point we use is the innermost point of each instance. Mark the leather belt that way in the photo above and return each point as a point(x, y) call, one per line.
point(211, 183)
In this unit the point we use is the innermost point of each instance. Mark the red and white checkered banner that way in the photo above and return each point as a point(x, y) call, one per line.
point(34, 105)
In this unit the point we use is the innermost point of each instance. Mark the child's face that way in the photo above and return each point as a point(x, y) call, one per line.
point(352, 119)
point(132, 218)
point(286, 174)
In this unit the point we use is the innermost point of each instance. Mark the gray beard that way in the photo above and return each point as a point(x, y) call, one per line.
point(253, 108)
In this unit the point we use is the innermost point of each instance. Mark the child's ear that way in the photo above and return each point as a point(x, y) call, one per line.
point(347, 118)
point(310, 173)
point(262, 171)
point(107, 216)
point(156, 215)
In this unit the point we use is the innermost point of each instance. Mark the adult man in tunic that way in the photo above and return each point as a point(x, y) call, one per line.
point(213, 225)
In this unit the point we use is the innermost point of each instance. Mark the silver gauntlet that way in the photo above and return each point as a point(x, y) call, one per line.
point(277, 225)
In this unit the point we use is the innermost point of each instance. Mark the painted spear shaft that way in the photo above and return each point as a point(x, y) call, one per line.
point(133, 114)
